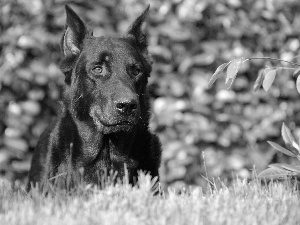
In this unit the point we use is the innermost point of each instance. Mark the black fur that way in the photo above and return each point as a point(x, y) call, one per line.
point(105, 112)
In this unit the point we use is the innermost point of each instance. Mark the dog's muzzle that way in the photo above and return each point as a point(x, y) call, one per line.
point(123, 121)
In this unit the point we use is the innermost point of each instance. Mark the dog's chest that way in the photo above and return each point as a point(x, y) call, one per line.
point(105, 158)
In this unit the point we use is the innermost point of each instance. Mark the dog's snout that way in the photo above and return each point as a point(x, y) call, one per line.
point(127, 106)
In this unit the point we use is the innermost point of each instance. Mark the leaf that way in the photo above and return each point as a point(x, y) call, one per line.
point(275, 173)
point(281, 149)
point(259, 80)
point(298, 84)
point(217, 73)
point(289, 139)
point(229, 82)
point(275, 165)
point(292, 168)
point(285, 166)
point(292, 148)
point(296, 72)
point(296, 146)
point(299, 145)
point(234, 67)
point(287, 135)
point(232, 71)
point(269, 79)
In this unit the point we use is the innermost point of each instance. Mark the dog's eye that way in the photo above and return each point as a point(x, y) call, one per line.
point(136, 70)
point(98, 70)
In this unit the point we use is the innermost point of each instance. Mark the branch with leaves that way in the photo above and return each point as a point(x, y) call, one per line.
point(279, 171)
point(266, 77)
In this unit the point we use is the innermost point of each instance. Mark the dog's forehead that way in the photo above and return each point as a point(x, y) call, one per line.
point(116, 47)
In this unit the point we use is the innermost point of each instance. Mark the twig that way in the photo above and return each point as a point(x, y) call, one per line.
point(281, 60)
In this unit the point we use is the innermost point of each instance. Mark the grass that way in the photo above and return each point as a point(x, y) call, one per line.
point(240, 203)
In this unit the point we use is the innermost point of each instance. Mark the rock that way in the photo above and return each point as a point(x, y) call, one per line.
point(36, 94)
point(17, 144)
point(226, 96)
point(25, 74)
point(171, 149)
point(168, 106)
point(160, 53)
point(175, 171)
point(177, 88)
point(30, 107)
point(12, 132)
point(21, 165)
point(4, 157)
point(26, 42)
point(14, 108)
point(235, 162)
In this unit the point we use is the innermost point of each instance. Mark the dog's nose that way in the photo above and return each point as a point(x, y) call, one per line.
point(127, 106)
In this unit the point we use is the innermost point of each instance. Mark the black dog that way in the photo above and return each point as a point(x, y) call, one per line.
point(104, 119)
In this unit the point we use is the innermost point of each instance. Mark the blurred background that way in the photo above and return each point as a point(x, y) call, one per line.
point(205, 133)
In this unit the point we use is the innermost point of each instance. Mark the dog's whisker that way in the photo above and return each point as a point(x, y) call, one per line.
point(143, 121)
point(76, 100)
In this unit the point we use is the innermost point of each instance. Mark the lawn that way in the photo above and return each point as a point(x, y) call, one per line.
point(240, 203)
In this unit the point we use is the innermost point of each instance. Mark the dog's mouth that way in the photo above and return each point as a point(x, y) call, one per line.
point(122, 126)
point(115, 127)
point(113, 124)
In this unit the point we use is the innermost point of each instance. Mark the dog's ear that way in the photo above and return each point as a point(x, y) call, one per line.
point(135, 31)
point(74, 34)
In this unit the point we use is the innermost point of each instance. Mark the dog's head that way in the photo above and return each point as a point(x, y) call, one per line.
point(106, 77)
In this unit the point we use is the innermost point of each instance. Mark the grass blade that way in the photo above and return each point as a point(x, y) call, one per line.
point(58, 175)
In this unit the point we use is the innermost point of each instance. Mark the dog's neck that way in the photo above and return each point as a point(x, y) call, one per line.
point(96, 146)
point(108, 152)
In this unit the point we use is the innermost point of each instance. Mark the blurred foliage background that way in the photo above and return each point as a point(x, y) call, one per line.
point(208, 133)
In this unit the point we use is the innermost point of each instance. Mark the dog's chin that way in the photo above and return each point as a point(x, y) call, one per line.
point(125, 128)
